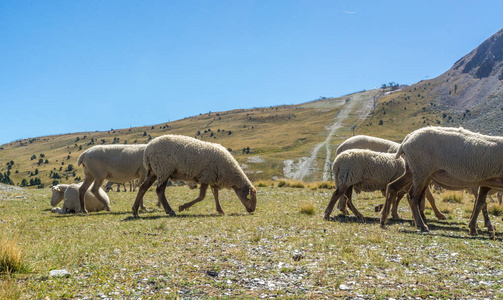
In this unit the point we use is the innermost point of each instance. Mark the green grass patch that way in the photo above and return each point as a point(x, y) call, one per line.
point(451, 197)
point(285, 249)
point(495, 210)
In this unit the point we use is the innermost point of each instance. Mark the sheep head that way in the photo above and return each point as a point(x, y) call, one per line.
point(248, 196)
point(57, 195)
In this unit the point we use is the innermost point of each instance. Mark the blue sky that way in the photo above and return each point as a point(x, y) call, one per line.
point(72, 66)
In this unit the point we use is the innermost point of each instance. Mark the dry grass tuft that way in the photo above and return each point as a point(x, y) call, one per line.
point(308, 208)
point(11, 257)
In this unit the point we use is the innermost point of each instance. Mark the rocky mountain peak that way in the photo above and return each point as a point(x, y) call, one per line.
point(486, 60)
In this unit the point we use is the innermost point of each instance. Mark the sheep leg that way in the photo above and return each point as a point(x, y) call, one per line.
point(83, 189)
point(335, 196)
point(479, 205)
point(487, 222)
point(348, 194)
point(217, 202)
point(422, 205)
point(431, 199)
point(341, 205)
point(95, 189)
point(417, 193)
point(146, 184)
point(202, 194)
point(394, 207)
point(391, 193)
point(161, 188)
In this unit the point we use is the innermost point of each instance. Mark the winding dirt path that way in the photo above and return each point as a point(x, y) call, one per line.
point(306, 165)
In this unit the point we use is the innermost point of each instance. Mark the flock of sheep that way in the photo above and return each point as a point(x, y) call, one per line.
point(452, 158)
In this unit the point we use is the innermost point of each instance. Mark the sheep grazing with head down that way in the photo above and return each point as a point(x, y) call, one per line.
point(386, 146)
point(117, 163)
point(69, 194)
point(364, 170)
point(467, 158)
point(185, 158)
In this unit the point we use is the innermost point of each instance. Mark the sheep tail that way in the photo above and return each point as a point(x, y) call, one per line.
point(81, 158)
point(399, 152)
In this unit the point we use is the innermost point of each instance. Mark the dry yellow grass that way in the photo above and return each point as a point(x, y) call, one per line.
point(11, 256)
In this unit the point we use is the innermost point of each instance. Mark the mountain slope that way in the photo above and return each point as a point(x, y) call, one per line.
point(296, 141)
point(261, 139)
point(469, 94)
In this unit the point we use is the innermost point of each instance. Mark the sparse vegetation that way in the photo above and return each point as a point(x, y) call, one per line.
point(451, 197)
point(283, 250)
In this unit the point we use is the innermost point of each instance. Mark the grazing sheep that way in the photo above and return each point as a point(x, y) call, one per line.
point(364, 170)
point(118, 163)
point(69, 194)
point(467, 158)
point(380, 145)
point(185, 158)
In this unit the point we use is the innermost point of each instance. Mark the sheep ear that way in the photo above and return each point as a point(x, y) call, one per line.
point(56, 188)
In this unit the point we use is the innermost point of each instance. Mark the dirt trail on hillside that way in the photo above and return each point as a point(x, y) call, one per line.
point(306, 165)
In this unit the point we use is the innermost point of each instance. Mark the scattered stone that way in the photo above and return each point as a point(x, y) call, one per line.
point(59, 273)
point(212, 273)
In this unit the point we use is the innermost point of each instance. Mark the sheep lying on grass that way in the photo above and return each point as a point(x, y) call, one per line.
point(385, 146)
point(364, 170)
point(184, 158)
point(69, 194)
point(118, 163)
point(470, 159)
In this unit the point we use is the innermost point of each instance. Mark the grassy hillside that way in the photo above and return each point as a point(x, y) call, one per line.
point(260, 138)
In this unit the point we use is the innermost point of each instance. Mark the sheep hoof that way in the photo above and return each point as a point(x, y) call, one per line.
point(441, 217)
point(181, 208)
point(473, 231)
point(425, 230)
point(172, 214)
point(378, 208)
point(396, 217)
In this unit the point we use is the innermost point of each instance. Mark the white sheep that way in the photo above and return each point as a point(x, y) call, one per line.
point(470, 159)
point(368, 142)
point(364, 170)
point(69, 194)
point(185, 158)
point(118, 163)
point(380, 145)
